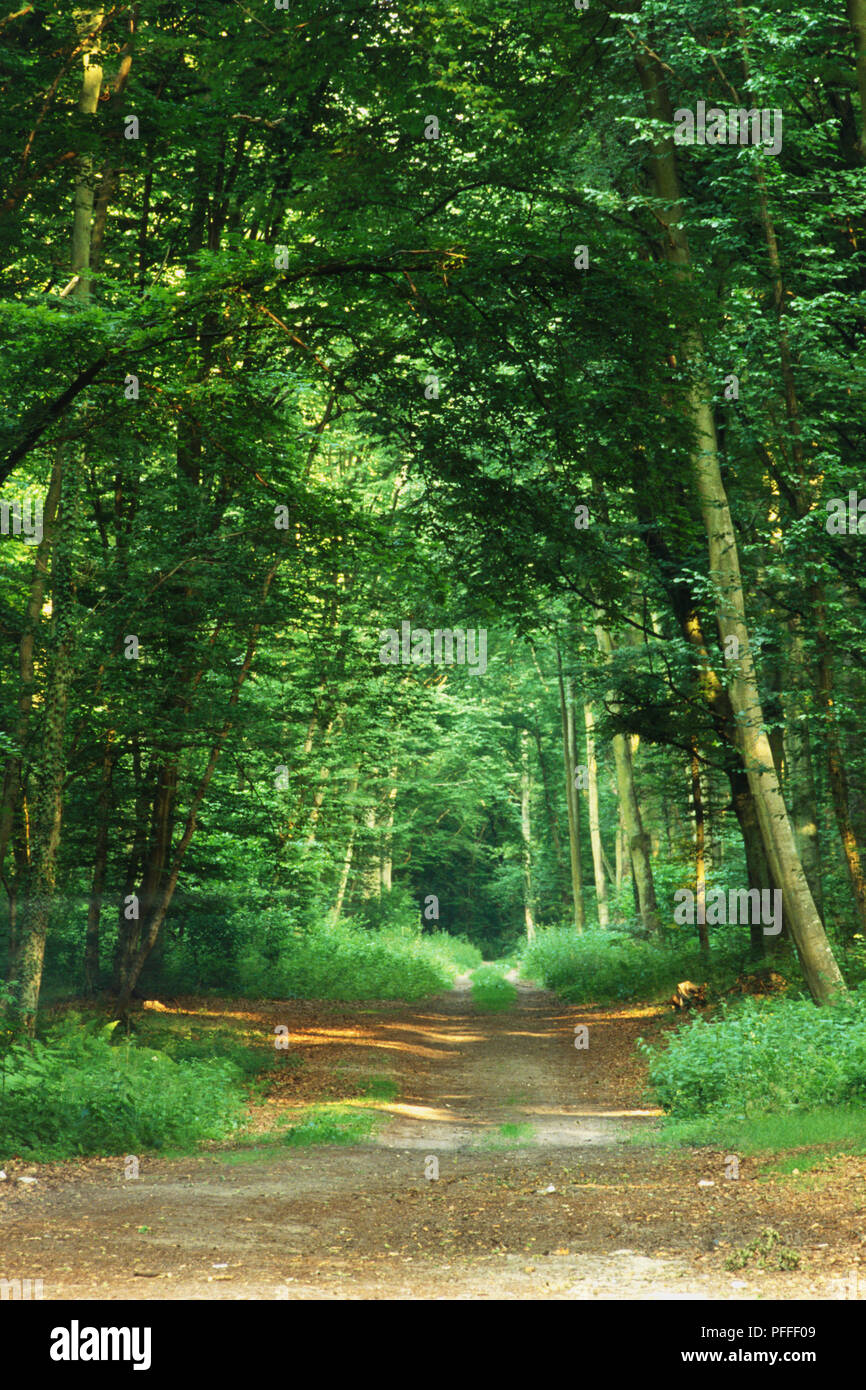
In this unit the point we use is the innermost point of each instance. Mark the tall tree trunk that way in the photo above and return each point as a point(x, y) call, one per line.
point(100, 858)
point(569, 758)
point(700, 852)
point(594, 820)
point(549, 800)
point(21, 859)
point(636, 836)
point(388, 832)
point(549, 806)
point(26, 650)
point(87, 23)
point(838, 778)
point(128, 928)
point(857, 17)
point(347, 861)
point(855, 756)
point(157, 859)
point(47, 803)
point(717, 699)
point(804, 801)
point(757, 867)
point(526, 835)
point(819, 964)
point(622, 855)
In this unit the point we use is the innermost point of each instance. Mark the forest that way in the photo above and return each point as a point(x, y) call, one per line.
point(433, 614)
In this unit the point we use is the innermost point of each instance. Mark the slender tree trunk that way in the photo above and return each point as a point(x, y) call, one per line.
point(388, 832)
point(637, 838)
point(713, 841)
point(838, 779)
point(128, 928)
point(316, 808)
point(87, 22)
point(757, 867)
point(526, 834)
point(819, 964)
point(21, 860)
point(594, 820)
point(804, 801)
point(100, 858)
point(621, 846)
point(26, 650)
point(700, 852)
point(857, 18)
point(549, 807)
point(855, 756)
point(47, 809)
point(347, 862)
point(569, 758)
point(549, 801)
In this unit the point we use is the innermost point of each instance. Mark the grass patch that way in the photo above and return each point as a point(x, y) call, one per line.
point(368, 1085)
point(379, 1088)
point(507, 1136)
point(184, 1042)
point(331, 1123)
point(830, 1129)
point(491, 992)
point(516, 1131)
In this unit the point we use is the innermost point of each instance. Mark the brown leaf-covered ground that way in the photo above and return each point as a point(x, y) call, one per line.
point(566, 1209)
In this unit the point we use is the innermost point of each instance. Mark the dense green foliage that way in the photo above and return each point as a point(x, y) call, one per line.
point(76, 1093)
point(598, 967)
point(346, 962)
point(763, 1056)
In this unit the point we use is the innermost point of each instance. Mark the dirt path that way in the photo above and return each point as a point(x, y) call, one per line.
point(557, 1204)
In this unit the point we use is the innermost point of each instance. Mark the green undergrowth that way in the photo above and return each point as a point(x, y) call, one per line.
point(185, 1042)
point(755, 1057)
point(597, 967)
point(491, 992)
point(74, 1092)
point(350, 962)
point(174, 1082)
point(772, 1078)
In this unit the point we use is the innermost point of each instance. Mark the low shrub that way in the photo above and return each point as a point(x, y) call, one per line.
point(595, 966)
point(75, 1093)
point(763, 1055)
